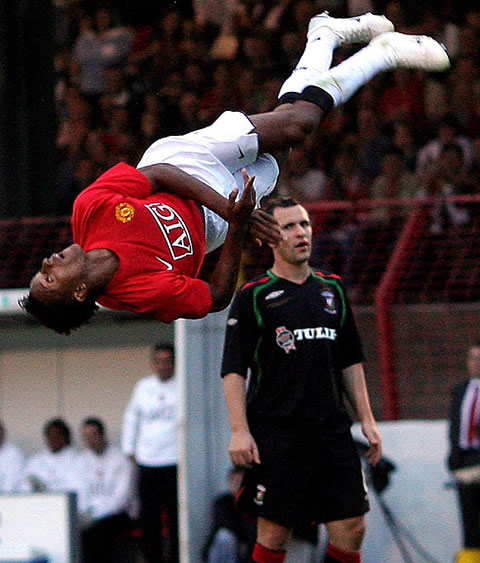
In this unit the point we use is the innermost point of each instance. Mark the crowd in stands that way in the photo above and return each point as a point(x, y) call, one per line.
point(128, 73)
point(124, 80)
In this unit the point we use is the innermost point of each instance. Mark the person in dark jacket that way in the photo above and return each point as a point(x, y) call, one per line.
point(464, 436)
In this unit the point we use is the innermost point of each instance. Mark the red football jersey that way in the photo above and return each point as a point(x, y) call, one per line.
point(159, 239)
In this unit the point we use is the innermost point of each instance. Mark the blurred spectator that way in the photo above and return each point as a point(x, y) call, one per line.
point(12, 460)
point(394, 182)
point(347, 183)
point(335, 232)
point(464, 88)
point(371, 143)
point(403, 98)
point(449, 179)
point(163, 55)
point(222, 94)
point(233, 536)
point(468, 41)
point(429, 156)
point(404, 140)
point(149, 438)
point(189, 114)
point(53, 468)
point(306, 182)
point(105, 497)
point(100, 45)
point(476, 151)
point(73, 175)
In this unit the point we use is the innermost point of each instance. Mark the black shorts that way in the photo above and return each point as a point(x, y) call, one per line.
point(306, 475)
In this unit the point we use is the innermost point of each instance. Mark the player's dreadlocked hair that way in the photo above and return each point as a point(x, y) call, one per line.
point(64, 316)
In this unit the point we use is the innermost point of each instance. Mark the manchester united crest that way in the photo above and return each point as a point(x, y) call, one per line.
point(124, 212)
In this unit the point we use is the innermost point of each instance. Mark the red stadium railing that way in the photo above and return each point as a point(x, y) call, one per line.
point(412, 269)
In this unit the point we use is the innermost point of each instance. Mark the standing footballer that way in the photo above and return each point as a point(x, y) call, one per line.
point(293, 330)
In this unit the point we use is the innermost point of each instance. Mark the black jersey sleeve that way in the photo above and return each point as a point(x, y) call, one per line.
point(350, 344)
point(241, 335)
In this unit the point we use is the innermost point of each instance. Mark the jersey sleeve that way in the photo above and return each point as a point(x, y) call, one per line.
point(166, 297)
point(350, 345)
point(241, 335)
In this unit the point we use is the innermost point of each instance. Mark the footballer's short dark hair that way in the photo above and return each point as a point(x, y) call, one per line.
point(280, 202)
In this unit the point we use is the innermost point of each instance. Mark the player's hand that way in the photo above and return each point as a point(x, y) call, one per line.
point(239, 212)
point(263, 227)
point(372, 434)
point(243, 449)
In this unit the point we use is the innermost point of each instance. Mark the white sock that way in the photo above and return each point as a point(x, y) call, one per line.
point(343, 80)
point(316, 58)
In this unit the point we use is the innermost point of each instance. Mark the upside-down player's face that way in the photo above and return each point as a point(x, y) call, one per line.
point(60, 275)
point(295, 245)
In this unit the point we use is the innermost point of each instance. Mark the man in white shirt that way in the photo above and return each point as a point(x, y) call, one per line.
point(12, 460)
point(105, 497)
point(150, 438)
point(52, 469)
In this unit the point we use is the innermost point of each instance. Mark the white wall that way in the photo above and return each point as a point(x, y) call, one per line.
point(90, 373)
point(421, 503)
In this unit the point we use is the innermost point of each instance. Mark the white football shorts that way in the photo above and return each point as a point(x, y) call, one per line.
point(216, 155)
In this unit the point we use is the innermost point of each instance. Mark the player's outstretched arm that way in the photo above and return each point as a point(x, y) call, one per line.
point(168, 178)
point(223, 279)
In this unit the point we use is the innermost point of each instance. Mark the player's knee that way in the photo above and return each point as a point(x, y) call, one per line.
point(357, 535)
point(348, 534)
point(272, 535)
point(300, 125)
point(355, 532)
point(297, 131)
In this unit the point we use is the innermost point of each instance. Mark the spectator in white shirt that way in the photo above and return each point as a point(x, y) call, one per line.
point(105, 497)
point(150, 438)
point(12, 460)
point(52, 468)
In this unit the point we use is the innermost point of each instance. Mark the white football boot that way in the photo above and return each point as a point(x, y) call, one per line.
point(412, 51)
point(359, 29)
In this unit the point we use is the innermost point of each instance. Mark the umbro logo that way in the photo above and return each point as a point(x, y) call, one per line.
point(274, 294)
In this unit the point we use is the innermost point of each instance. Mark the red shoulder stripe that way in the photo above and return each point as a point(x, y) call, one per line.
point(255, 282)
point(328, 275)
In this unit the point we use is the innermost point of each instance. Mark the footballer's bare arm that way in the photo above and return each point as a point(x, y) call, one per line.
point(169, 178)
